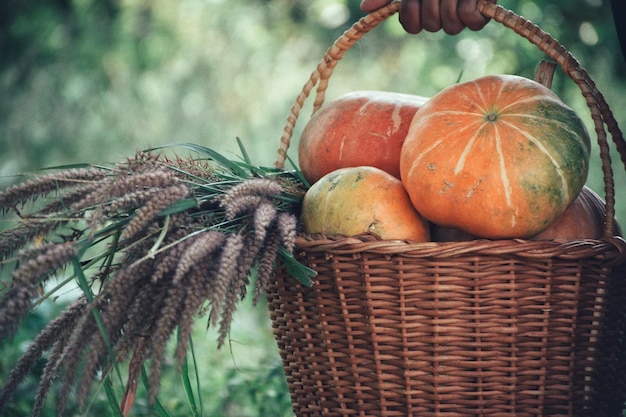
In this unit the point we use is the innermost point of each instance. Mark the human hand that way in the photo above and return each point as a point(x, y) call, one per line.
point(432, 15)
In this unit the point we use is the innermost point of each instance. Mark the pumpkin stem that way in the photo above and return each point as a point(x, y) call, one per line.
point(491, 117)
point(544, 73)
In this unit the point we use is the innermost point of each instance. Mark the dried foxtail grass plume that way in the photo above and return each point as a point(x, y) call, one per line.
point(153, 243)
point(46, 184)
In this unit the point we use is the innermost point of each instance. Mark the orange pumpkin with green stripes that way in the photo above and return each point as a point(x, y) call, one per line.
point(498, 157)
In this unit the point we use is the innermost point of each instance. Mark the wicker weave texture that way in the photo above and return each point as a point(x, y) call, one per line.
point(468, 335)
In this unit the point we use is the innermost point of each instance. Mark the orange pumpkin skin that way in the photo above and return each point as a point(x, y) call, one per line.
point(497, 157)
point(357, 200)
point(584, 219)
point(361, 128)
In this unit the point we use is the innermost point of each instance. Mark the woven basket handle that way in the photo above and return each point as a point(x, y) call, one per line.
point(601, 114)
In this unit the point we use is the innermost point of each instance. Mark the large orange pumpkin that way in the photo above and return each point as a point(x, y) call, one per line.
point(359, 128)
point(497, 157)
point(356, 200)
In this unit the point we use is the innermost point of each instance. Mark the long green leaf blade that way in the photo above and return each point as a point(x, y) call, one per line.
point(197, 374)
point(187, 386)
point(302, 273)
point(211, 154)
point(82, 282)
point(108, 388)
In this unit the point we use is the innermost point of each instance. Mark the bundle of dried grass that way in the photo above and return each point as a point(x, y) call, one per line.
point(153, 243)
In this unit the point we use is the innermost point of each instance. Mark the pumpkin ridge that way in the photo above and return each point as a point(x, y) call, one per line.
point(341, 145)
point(466, 150)
point(483, 105)
point(490, 99)
point(397, 120)
point(506, 183)
point(499, 95)
point(426, 151)
point(533, 117)
point(553, 122)
point(363, 107)
point(468, 95)
point(480, 113)
point(513, 104)
point(421, 156)
point(568, 128)
point(445, 139)
point(565, 192)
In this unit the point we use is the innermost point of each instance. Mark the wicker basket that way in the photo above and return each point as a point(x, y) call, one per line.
point(479, 328)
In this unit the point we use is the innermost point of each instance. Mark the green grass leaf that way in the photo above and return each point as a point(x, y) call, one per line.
point(298, 174)
point(191, 399)
point(112, 398)
point(180, 206)
point(244, 153)
point(197, 374)
point(70, 166)
point(188, 389)
point(209, 153)
point(84, 286)
point(301, 272)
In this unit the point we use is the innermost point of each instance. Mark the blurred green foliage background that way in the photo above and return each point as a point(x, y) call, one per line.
point(96, 80)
